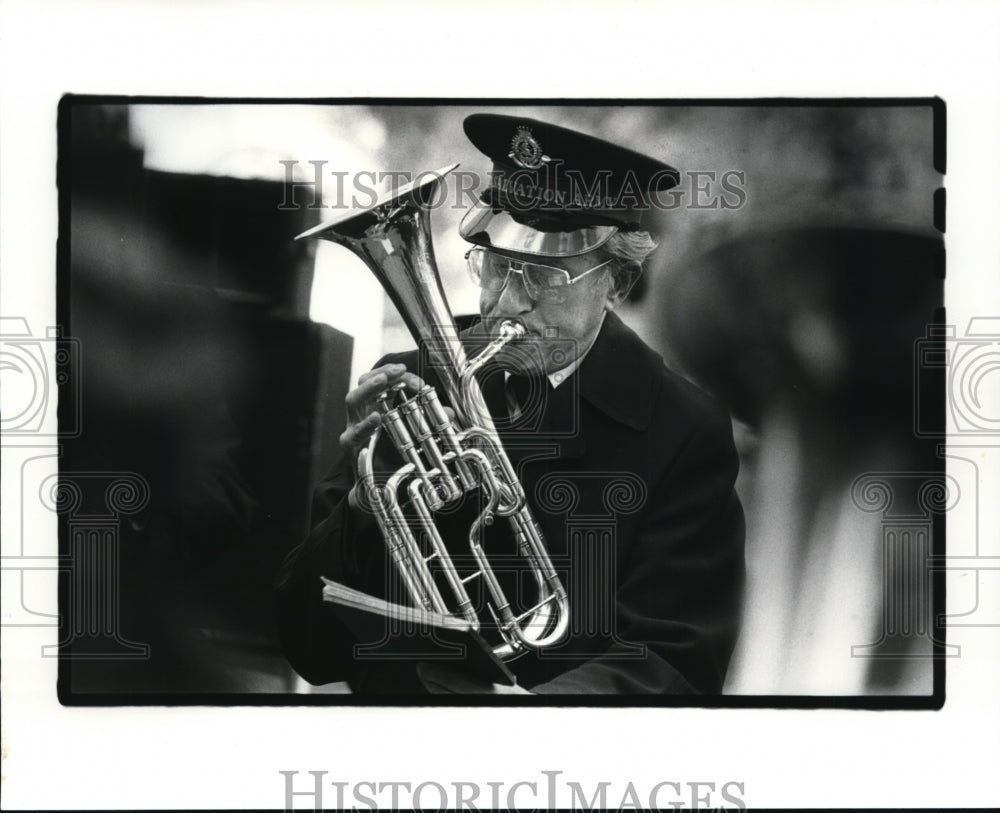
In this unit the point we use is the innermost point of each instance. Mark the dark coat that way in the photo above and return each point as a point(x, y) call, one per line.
point(629, 470)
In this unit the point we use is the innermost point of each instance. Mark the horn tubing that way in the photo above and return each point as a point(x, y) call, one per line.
point(444, 458)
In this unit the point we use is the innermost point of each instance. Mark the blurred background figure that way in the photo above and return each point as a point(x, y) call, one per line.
point(202, 373)
point(809, 334)
point(799, 267)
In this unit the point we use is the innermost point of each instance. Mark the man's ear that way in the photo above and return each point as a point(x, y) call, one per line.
point(623, 277)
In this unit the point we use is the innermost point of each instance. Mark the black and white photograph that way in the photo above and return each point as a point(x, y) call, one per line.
point(500, 407)
point(594, 401)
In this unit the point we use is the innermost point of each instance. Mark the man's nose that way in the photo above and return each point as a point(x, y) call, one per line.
point(514, 297)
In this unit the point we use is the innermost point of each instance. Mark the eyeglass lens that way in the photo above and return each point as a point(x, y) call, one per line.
point(491, 271)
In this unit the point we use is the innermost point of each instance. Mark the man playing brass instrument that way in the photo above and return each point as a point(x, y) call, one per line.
point(628, 469)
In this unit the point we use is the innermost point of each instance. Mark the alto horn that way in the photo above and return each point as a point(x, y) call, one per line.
point(443, 458)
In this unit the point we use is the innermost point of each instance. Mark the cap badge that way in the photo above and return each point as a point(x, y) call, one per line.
point(525, 150)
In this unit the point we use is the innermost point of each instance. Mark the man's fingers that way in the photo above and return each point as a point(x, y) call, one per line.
point(414, 383)
point(385, 369)
point(362, 421)
point(359, 432)
point(367, 388)
point(375, 382)
point(390, 372)
point(381, 378)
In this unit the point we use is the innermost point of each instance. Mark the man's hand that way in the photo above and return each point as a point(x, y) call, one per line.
point(363, 417)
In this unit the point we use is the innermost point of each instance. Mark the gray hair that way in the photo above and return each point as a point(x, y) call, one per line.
point(629, 249)
point(631, 246)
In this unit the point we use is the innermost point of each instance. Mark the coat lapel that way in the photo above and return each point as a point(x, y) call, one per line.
point(617, 375)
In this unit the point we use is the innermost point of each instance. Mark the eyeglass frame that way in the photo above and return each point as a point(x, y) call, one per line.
point(511, 263)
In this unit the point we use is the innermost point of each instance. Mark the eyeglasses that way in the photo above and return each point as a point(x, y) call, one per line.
point(544, 283)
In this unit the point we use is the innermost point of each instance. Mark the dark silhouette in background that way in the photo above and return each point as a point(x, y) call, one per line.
point(201, 373)
point(808, 334)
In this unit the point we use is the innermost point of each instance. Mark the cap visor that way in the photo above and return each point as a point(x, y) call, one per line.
point(486, 226)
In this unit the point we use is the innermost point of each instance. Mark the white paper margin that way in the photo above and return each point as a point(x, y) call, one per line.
point(57, 757)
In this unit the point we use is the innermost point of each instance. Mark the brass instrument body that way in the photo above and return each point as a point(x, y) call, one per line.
point(443, 458)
